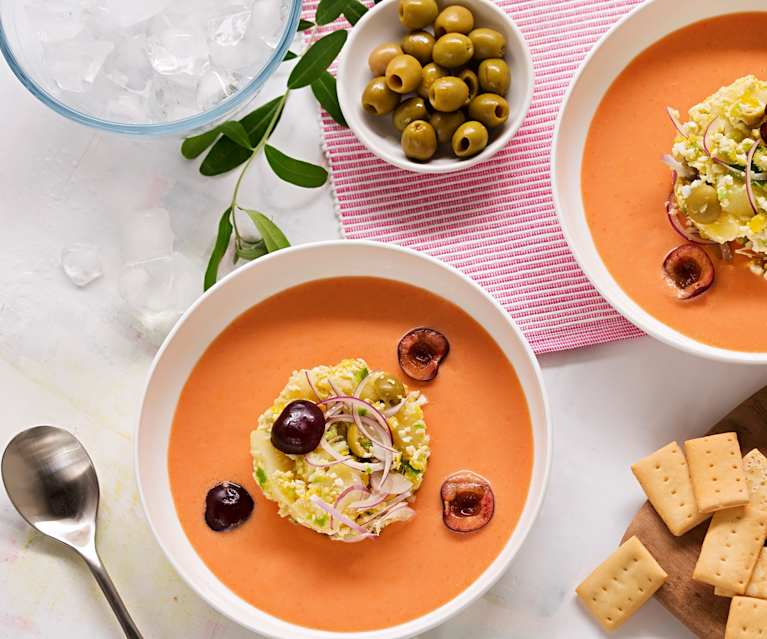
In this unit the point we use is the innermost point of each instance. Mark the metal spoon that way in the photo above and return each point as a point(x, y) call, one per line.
point(51, 481)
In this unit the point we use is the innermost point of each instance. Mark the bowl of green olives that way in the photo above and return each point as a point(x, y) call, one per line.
point(435, 87)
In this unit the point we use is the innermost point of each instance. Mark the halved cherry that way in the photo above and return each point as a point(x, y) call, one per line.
point(690, 270)
point(421, 351)
point(468, 502)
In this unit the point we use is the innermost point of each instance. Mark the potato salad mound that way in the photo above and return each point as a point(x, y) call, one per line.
point(719, 161)
point(342, 450)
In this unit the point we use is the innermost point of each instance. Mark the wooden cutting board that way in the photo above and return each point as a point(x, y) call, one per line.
point(693, 603)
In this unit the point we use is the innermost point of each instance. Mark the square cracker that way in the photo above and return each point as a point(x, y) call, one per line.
point(716, 471)
point(622, 584)
point(732, 545)
point(665, 479)
point(755, 468)
point(757, 585)
point(747, 619)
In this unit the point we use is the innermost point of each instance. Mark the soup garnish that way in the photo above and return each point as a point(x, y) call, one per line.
point(690, 270)
point(420, 353)
point(299, 428)
point(227, 505)
point(468, 502)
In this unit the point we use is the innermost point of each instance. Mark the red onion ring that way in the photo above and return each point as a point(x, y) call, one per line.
point(675, 121)
point(393, 503)
point(749, 186)
point(363, 467)
point(339, 516)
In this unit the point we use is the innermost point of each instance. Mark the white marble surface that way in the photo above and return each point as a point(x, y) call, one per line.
point(72, 357)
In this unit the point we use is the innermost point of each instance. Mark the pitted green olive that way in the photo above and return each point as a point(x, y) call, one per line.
point(378, 98)
point(419, 141)
point(703, 204)
point(416, 14)
point(488, 43)
point(360, 445)
point(472, 82)
point(452, 50)
point(490, 109)
point(410, 111)
point(419, 44)
point(382, 55)
point(445, 124)
point(428, 75)
point(453, 19)
point(494, 76)
point(403, 74)
point(469, 139)
point(448, 93)
point(383, 388)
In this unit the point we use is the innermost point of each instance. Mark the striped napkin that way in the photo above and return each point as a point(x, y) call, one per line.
point(496, 221)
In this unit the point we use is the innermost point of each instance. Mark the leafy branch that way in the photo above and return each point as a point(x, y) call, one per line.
point(236, 143)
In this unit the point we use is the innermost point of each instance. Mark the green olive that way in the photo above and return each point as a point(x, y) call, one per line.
point(469, 139)
point(472, 81)
point(419, 44)
point(445, 124)
point(490, 109)
point(419, 140)
point(416, 14)
point(452, 50)
point(378, 98)
point(494, 76)
point(453, 19)
point(738, 204)
point(383, 388)
point(448, 93)
point(703, 204)
point(382, 55)
point(428, 75)
point(410, 111)
point(403, 73)
point(488, 43)
point(358, 443)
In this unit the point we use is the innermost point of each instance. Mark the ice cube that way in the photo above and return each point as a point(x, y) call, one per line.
point(231, 23)
point(215, 87)
point(249, 54)
point(82, 264)
point(268, 21)
point(124, 14)
point(170, 100)
point(177, 47)
point(146, 235)
point(128, 65)
point(55, 21)
point(74, 64)
point(128, 107)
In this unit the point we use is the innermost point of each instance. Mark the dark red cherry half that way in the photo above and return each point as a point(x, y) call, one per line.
point(468, 502)
point(690, 270)
point(421, 351)
point(299, 428)
point(227, 505)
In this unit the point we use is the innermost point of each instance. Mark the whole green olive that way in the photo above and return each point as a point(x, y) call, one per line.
point(445, 124)
point(419, 44)
point(382, 55)
point(703, 204)
point(469, 139)
point(428, 75)
point(452, 50)
point(359, 445)
point(403, 73)
point(488, 43)
point(494, 76)
point(416, 14)
point(490, 109)
point(383, 387)
point(453, 19)
point(472, 81)
point(378, 98)
point(419, 141)
point(448, 93)
point(410, 111)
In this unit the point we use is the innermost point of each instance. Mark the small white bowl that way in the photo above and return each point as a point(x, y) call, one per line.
point(381, 24)
point(248, 286)
point(641, 28)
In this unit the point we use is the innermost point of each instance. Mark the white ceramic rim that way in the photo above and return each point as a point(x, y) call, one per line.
point(573, 223)
point(271, 626)
point(458, 165)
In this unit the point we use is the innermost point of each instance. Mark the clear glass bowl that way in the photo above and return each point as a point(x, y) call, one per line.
point(11, 45)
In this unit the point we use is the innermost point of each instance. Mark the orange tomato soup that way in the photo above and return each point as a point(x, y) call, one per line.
point(625, 184)
point(477, 417)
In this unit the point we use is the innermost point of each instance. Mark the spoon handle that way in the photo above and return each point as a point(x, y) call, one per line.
point(110, 592)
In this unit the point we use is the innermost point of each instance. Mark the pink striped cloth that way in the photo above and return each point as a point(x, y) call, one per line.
point(496, 222)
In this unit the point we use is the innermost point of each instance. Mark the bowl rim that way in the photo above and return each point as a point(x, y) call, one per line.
point(543, 450)
point(455, 165)
point(627, 307)
point(182, 126)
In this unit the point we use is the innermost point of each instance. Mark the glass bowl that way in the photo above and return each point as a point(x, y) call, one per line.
point(12, 45)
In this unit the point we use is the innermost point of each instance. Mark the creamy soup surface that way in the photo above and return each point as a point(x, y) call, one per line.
point(625, 184)
point(477, 416)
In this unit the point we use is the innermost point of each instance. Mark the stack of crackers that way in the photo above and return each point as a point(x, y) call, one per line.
point(709, 479)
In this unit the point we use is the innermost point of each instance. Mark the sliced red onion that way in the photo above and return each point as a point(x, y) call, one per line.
point(726, 251)
point(360, 387)
point(359, 403)
point(371, 502)
point(363, 467)
point(336, 514)
point(749, 177)
point(323, 463)
point(388, 508)
point(386, 456)
point(675, 121)
point(401, 512)
point(391, 412)
point(333, 387)
point(311, 384)
point(365, 425)
point(346, 495)
point(677, 224)
point(355, 539)
point(394, 484)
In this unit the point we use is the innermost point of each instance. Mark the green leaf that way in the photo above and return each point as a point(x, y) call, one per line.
point(324, 89)
point(251, 250)
point(219, 248)
point(296, 172)
point(227, 155)
point(236, 133)
point(289, 56)
point(261, 476)
point(329, 10)
point(353, 11)
point(303, 25)
point(192, 147)
point(273, 238)
point(317, 58)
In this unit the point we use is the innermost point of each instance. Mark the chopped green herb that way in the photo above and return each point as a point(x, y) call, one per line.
point(261, 476)
point(362, 412)
point(322, 520)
